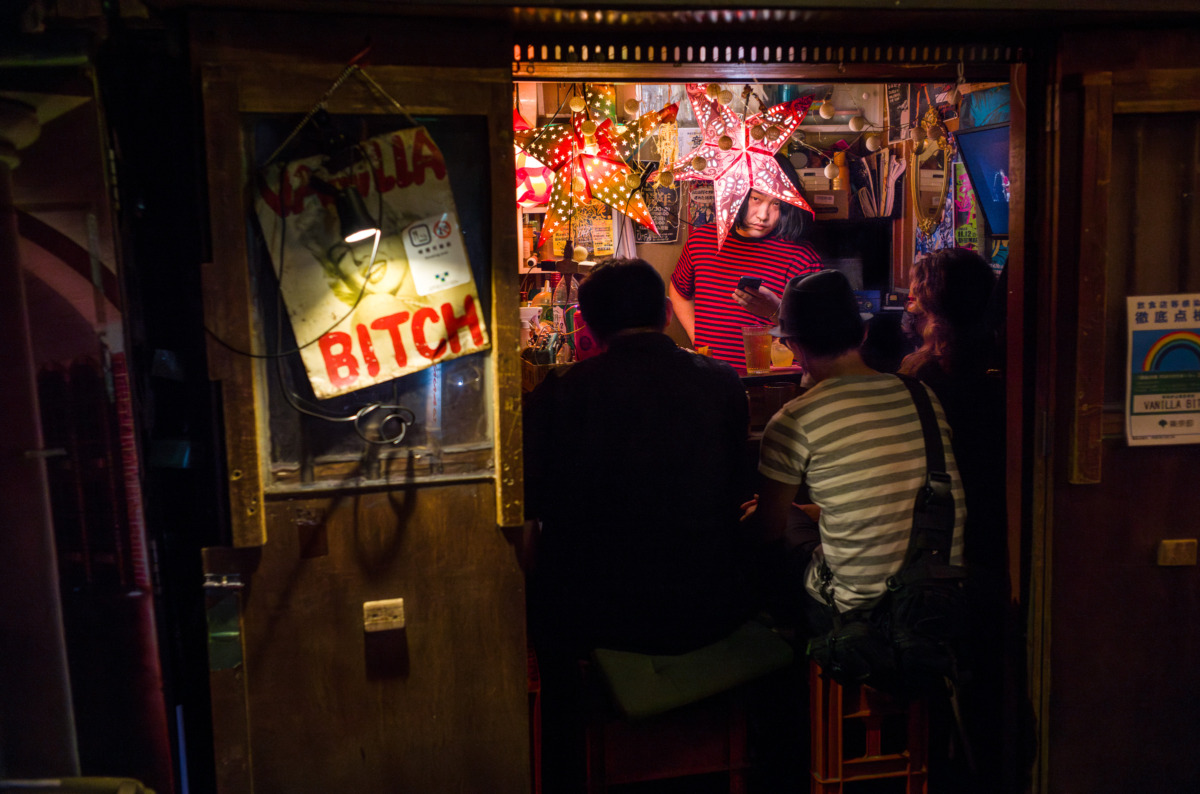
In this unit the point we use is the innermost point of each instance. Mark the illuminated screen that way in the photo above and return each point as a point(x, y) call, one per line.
point(984, 150)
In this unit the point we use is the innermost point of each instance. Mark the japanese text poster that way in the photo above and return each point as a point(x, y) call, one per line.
point(592, 225)
point(1162, 387)
point(663, 205)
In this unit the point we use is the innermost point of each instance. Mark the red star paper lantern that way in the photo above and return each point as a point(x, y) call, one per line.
point(589, 158)
point(738, 155)
point(533, 178)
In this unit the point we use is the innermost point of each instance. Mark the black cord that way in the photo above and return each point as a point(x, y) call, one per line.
point(279, 288)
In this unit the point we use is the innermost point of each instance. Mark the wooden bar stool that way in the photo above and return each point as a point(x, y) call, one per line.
point(860, 733)
point(702, 738)
point(657, 717)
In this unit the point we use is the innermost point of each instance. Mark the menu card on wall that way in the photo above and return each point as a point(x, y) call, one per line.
point(1162, 373)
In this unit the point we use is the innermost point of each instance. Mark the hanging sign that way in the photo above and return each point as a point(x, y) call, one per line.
point(1162, 386)
point(358, 321)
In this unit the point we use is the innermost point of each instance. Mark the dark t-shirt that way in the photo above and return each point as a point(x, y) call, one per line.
point(636, 462)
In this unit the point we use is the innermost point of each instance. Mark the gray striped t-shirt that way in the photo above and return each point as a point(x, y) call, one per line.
point(856, 442)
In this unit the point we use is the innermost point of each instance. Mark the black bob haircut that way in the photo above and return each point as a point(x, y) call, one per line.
point(793, 221)
point(620, 294)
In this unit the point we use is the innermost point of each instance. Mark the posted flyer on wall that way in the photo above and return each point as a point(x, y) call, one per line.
point(1162, 385)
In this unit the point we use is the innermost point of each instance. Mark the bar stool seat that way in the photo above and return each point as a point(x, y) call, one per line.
point(860, 733)
point(666, 716)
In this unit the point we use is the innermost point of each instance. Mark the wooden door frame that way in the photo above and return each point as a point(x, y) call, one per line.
point(1018, 381)
point(230, 91)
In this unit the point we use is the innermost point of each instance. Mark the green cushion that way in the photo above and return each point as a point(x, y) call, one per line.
point(644, 685)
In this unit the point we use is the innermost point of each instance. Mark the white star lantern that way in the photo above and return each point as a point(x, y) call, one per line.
point(738, 155)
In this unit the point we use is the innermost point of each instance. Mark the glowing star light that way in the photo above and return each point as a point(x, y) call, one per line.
point(738, 155)
point(590, 159)
point(533, 178)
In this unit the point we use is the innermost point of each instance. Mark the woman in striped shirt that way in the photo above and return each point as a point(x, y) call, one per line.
point(766, 242)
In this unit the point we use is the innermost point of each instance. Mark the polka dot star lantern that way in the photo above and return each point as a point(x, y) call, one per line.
point(533, 177)
point(590, 158)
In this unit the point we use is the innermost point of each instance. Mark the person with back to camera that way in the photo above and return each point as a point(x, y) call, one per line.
point(635, 465)
point(854, 440)
point(767, 242)
point(952, 300)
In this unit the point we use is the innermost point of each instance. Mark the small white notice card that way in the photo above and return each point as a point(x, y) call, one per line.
point(436, 254)
point(1162, 385)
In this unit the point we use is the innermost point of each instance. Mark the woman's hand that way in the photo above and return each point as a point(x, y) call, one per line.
point(761, 302)
point(749, 507)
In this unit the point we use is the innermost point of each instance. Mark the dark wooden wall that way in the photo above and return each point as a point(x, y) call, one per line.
point(1122, 708)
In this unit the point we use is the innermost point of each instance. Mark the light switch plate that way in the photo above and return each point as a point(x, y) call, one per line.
point(1177, 552)
point(385, 615)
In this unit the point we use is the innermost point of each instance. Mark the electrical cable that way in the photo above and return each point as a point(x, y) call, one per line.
point(398, 414)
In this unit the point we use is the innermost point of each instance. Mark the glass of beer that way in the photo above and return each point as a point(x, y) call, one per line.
point(757, 341)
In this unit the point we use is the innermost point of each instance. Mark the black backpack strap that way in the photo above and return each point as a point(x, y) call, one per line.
point(933, 515)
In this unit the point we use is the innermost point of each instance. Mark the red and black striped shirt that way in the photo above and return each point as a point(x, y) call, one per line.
point(708, 277)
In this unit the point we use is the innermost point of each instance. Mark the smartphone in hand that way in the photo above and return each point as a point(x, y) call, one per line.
point(749, 283)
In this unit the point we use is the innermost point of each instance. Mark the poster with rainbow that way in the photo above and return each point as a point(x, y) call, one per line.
point(1162, 387)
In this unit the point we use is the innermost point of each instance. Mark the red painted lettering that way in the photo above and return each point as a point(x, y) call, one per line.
point(391, 324)
point(426, 155)
point(282, 194)
point(335, 362)
point(469, 320)
point(368, 350)
point(422, 317)
point(403, 176)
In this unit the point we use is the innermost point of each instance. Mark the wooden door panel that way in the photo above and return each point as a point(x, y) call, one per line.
point(434, 702)
point(1125, 632)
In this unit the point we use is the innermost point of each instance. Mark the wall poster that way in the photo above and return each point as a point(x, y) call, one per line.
point(967, 231)
point(899, 113)
point(591, 223)
point(663, 205)
point(1162, 373)
point(701, 207)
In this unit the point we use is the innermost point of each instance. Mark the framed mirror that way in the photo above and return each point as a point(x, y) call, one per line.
point(929, 163)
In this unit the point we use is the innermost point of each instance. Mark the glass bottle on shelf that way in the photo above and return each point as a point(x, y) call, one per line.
point(567, 291)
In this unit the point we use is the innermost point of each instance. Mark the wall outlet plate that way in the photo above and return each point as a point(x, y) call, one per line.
point(385, 615)
point(1177, 552)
